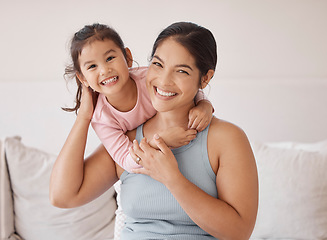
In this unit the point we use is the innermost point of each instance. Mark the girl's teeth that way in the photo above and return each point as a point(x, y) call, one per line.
point(109, 81)
point(166, 94)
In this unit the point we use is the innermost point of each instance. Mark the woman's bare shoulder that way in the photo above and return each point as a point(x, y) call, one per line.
point(223, 129)
point(226, 137)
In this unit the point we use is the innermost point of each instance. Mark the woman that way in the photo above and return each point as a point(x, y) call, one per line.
point(204, 190)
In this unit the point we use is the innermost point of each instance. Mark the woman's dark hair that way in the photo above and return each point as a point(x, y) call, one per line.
point(199, 41)
point(87, 35)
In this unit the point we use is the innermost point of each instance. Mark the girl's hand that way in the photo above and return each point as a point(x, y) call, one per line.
point(175, 137)
point(200, 116)
point(86, 109)
point(160, 164)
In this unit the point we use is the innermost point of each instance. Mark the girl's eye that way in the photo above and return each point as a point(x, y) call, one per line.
point(110, 58)
point(91, 66)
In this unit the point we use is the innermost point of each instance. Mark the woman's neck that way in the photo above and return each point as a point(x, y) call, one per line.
point(164, 120)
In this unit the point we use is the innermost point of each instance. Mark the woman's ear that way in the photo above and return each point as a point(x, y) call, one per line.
point(129, 57)
point(206, 78)
point(81, 78)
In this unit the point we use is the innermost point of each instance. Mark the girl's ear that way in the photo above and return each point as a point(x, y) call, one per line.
point(81, 78)
point(206, 78)
point(129, 57)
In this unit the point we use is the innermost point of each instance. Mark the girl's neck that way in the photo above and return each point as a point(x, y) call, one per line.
point(126, 99)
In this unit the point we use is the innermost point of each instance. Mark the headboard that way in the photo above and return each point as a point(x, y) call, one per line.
point(267, 109)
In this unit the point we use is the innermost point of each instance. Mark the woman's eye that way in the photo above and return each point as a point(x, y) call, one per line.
point(182, 71)
point(157, 64)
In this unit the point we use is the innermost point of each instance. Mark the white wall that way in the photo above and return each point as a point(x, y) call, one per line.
point(259, 42)
point(256, 38)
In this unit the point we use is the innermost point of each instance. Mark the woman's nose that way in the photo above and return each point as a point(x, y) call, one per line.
point(166, 78)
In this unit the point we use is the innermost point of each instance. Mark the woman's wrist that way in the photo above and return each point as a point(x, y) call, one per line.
point(175, 181)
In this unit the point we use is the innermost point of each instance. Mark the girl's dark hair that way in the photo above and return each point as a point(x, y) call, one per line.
point(199, 41)
point(87, 35)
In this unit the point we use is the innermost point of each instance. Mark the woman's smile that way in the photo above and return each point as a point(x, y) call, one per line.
point(164, 93)
point(172, 77)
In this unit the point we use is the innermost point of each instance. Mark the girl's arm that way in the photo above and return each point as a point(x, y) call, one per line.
point(74, 181)
point(200, 116)
point(233, 214)
point(116, 143)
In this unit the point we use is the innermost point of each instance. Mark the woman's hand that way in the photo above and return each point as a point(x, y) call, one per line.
point(200, 116)
point(160, 164)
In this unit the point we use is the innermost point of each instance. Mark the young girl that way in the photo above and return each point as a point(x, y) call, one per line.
point(103, 64)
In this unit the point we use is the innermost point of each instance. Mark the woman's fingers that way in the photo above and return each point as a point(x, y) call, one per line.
point(137, 153)
point(161, 144)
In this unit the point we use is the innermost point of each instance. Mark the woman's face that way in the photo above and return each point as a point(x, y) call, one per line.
point(173, 78)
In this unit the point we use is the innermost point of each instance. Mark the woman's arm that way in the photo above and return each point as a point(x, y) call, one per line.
point(74, 181)
point(233, 214)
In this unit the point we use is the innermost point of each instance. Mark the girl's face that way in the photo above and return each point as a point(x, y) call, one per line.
point(104, 67)
point(173, 78)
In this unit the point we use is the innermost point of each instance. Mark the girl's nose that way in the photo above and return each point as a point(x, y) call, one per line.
point(104, 70)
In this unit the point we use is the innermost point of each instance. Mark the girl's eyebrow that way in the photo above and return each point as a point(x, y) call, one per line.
point(178, 65)
point(110, 50)
point(106, 53)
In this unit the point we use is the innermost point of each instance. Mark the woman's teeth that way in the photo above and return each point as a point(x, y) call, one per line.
point(110, 80)
point(166, 94)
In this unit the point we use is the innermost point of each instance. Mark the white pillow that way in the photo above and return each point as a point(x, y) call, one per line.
point(7, 229)
point(292, 191)
point(35, 217)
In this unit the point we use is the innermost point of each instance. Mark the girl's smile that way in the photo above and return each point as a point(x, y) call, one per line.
point(109, 80)
point(105, 69)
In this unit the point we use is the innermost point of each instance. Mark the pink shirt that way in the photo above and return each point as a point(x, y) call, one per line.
point(111, 125)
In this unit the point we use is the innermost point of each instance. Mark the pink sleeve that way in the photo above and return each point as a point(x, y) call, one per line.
point(201, 96)
point(117, 145)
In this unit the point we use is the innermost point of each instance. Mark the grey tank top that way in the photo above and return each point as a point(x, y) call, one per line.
point(151, 210)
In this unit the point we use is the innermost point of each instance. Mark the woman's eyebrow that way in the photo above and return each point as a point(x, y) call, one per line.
point(185, 66)
point(178, 65)
point(157, 57)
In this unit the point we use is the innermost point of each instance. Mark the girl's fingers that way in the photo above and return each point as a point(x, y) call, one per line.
point(191, 120)
point(190, 137)
point(194, 124)
point(202, 125)
point(191, 132)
